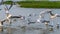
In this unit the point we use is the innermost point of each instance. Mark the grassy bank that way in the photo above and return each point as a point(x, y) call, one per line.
point(38, 4)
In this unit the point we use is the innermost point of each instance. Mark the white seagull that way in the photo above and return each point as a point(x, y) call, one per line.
point(41, 15)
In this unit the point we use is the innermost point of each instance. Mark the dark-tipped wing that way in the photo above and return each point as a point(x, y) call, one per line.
point(15, 16)
point(45, 21)
point(3, 20)
point(51, 13)
point(58, 15)
point(10, 6)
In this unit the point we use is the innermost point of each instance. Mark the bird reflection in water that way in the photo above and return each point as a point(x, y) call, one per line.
point(9, 30)
point(57, 26)
point(1, 29)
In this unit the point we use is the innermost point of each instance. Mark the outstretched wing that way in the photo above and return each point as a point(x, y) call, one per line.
point(1, 2)
point(9, 7)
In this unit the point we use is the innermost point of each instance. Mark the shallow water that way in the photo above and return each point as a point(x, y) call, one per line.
point(36, 28)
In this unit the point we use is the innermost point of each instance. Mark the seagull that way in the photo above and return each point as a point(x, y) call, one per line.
point(41, 16)
point(9, 16)
point(53, 16)
point(30, 22)
point(42, 13)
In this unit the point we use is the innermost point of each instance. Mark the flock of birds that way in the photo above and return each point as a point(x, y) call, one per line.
point(41, 16)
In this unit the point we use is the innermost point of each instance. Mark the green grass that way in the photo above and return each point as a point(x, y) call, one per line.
point(38, 4)
point(7, 2)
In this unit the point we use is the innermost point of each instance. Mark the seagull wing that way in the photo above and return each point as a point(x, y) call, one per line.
point(10, 6)
point(1, 2)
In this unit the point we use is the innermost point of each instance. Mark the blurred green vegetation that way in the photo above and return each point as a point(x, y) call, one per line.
point(7, 2)
point(37, 4)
